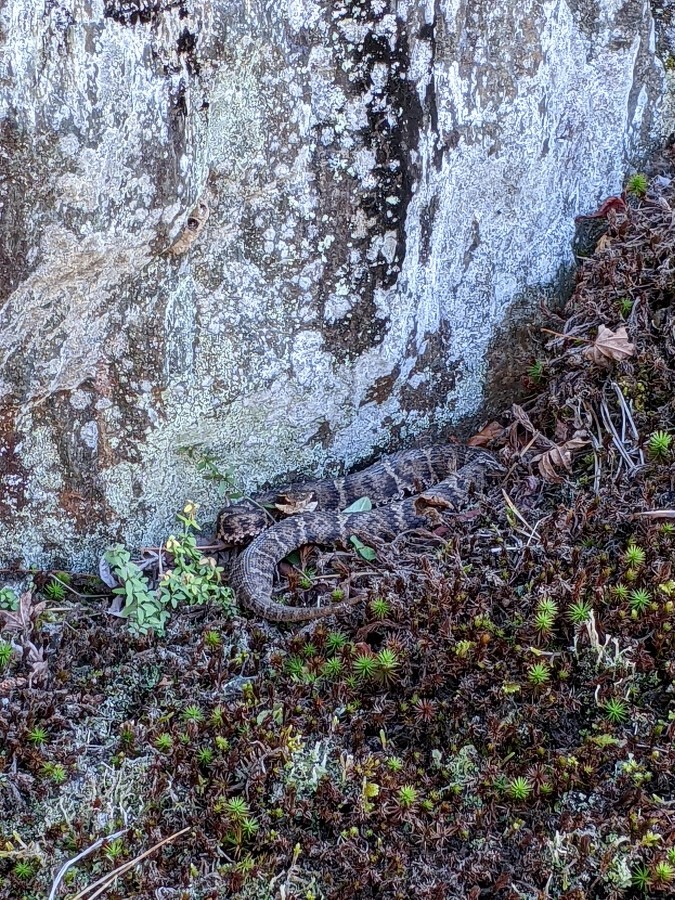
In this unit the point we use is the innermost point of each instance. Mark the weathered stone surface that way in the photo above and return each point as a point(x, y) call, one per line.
point(383, 180)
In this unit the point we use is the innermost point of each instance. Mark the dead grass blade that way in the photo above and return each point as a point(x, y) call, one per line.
point(84, 853)
point(528, 531)
point(107, 881)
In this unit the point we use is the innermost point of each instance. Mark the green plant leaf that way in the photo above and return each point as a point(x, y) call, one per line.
point(363, 551)
point(363, 504)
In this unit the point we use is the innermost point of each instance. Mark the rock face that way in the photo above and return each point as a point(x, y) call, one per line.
point(282, 230)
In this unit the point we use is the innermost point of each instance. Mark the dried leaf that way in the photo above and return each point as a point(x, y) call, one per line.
point(490, 433)
point(21, 619)
point(38, 664)
point(522, 418)
point(561, 432)
point(616, 204)
point(105, 573)
point(297, 503)
point(610, 345)
point(559, 457)
point(604, 242)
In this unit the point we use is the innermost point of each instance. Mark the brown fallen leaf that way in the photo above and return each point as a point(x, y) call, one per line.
point(559, 457)
point(609, 345)
point(522, 418)
point(298, 503)
point(490, 433)
point(38, 664)
point(21, 619)
point(9, 685)
point(604, 242)
point(611, 204)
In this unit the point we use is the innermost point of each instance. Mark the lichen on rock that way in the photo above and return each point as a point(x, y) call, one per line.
point(383, 180)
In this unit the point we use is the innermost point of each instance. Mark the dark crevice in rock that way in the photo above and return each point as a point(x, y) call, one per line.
point(518, 342)
point(427, 219)
point(13, 475)
point(141, 12)
point(428, 33)
point(394, 118)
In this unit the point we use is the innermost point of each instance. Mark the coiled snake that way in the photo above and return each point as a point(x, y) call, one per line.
point(410, 489)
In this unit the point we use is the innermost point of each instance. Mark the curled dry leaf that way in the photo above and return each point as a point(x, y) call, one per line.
point(559, 457)
point(490, 433)
point(604, 242)
point(521, 418)
point(21, 619)
point(610, 346)
point(38, 664)
point(611, 204)
point(299, 503)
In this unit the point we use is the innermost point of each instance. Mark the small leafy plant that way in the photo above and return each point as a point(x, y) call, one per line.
point(625, 305)
point(634, 557)
point(24, 869)
point(639, 600)
point(6, 653)
point(365, 666)
point(164, 742)
point(192, 579)
point(536, 371)
point(37, 736)
point(55, 771)
point(387, 666)
point(207, 466)
point(407, 796)
point(143, 608)
point(659, 445)
point(545, 616)
point(579, 612)
point(641, 877)
point(115, 849)
point(538, 674)
point(379, 608)
point(616, 710)
point(193, 714)
point(520, 788)
point(54, 590)
point(335, 641)
point(8, 599)
point(637, 184)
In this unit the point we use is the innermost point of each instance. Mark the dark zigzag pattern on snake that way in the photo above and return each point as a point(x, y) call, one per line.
point(439, 477)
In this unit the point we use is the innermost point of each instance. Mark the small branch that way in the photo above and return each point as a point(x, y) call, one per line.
point(86, 852)
point(567, 337)
point(604, 412)
point(104, 883)
point(77, 593)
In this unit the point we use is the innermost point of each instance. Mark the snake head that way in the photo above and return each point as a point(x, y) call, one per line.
point(237, 526)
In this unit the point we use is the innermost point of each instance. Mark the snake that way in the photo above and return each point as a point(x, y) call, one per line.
point(407, 490)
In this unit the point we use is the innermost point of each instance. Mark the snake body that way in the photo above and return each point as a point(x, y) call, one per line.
point(408, 490)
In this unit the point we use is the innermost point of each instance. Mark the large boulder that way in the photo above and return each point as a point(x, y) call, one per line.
point(286, 233)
